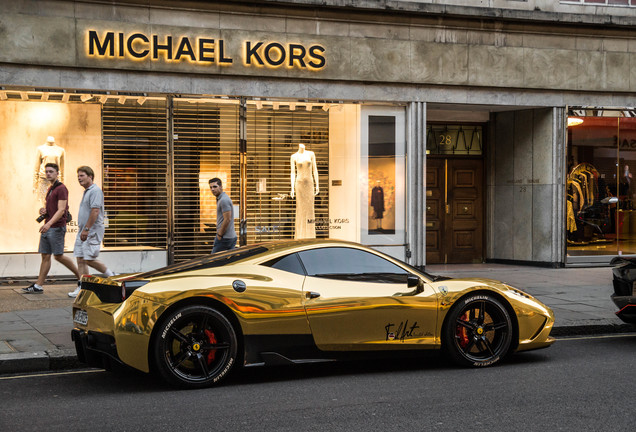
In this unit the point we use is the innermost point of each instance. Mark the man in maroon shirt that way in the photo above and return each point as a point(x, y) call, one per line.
point(53, 231)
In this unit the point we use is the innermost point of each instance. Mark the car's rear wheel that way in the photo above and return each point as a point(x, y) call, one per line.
point(478, 331)
point(195, 346)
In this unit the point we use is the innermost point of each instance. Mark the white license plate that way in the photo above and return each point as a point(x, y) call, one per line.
point(81, 317)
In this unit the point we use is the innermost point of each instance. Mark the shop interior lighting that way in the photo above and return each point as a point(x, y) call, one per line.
point(292, 106)
point(574, 121)
point(308, 107)
point(103, 99)
point(325, 107)
point(275, 105)
point(65, 97)
point(141, 100)
point(122, 99)
point(85, 97)
point(259, 104)
point(24, 96)
point(45, 97)
point(3, 95)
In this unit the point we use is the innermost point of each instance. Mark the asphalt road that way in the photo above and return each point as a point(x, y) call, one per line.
point(577, 384)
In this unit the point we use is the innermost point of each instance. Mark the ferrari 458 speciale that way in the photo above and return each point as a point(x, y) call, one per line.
point(294, 301)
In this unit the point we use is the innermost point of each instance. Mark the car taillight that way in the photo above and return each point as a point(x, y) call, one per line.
point(129, 286)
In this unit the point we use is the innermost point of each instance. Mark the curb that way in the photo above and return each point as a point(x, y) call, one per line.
point(592, 329)
point(39, 361)
point(65, 359)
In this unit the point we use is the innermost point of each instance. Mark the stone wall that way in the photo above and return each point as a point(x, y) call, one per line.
point(590, 11)
point(363, 49)
point(525, 186)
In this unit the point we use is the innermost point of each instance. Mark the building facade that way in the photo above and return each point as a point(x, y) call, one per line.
point(437, 132)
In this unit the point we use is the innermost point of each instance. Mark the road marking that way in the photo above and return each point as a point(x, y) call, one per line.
point(51, 374)
point(609, 336)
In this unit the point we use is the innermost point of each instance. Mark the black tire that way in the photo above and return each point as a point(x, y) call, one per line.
point(478, 331)
point(195, 346)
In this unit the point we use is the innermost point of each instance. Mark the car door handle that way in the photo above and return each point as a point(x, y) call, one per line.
point(312, 294)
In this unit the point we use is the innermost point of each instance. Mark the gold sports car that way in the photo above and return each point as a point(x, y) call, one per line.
point(296, 301)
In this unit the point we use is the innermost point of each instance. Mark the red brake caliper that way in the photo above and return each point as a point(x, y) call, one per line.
point(212, 340)
point(462, 333)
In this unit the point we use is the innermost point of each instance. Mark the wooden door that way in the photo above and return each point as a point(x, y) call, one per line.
point(454, 211)
point(435, 210)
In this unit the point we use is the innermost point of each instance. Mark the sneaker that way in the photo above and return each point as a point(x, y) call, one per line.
point(76, 292)
point(32, 289)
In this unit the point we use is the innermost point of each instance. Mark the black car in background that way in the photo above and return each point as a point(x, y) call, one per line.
point(624, 288)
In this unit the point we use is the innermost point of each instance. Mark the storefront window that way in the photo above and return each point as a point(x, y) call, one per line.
point(600, 188)
point(382, 176)
point(123, 139)
point(33, 133)
point(287, 172)
point(383, 167)
point(308, 169)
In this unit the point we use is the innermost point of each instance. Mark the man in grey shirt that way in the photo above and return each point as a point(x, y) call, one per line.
point(90, 221)
point(225, 235)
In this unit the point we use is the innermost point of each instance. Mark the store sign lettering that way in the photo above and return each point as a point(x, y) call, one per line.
point(203, 51)
point(628, 145)
point(323, 224)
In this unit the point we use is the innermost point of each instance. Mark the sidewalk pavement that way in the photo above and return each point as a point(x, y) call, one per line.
point(35, 329)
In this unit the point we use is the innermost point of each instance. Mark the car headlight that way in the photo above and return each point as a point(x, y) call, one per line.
point(519, 292)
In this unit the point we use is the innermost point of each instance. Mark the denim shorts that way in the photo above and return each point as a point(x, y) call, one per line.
point(52, 241)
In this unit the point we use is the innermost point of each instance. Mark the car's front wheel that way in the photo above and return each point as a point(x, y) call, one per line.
point(478, 331)
point(195, 346)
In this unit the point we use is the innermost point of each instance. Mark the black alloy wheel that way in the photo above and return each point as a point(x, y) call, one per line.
point(478, 331)
point(195, 347)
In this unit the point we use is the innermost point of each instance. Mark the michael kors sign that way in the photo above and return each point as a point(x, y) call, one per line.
point(204, 51)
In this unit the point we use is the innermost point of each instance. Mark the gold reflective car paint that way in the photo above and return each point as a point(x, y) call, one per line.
point(341, 315)
point(271, 304)
point(533, 317)
point(135, 321)
point(351, 315)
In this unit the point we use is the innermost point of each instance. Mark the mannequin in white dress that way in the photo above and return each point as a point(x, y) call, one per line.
point(304, 175)
point(47, 152)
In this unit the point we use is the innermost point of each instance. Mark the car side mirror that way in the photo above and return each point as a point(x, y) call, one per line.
point(414, 281)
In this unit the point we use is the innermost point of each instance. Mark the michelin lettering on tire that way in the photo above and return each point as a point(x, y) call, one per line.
point(224, 371)
point(481, 352)
point(477, 297)
point(181, 363)
point(172, 321)
point(487, 363)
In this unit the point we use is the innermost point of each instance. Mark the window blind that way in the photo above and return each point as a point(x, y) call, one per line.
point(135, 168)
point(205, 146)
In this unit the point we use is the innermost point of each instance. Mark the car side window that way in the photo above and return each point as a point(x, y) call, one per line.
point(289, 263)
point(351, 264)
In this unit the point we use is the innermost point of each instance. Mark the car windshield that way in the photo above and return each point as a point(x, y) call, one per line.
point(208, 261)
